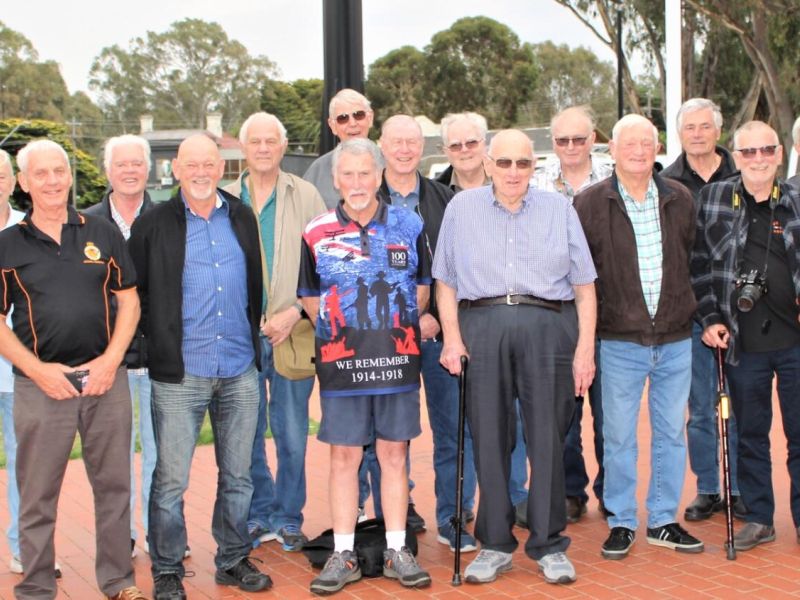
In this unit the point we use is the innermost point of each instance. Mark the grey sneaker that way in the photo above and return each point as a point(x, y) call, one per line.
point(402, 565)
point(753, 534)
point(291, 538)
point(557, 568)
point(340, 569)
point(487, 565)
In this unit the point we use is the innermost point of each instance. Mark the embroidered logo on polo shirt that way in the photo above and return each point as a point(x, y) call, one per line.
point(398, 256)
point(91, 251)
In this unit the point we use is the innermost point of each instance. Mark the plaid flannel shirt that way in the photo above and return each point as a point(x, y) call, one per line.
point(719, 245)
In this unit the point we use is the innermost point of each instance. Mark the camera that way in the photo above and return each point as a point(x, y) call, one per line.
point(751, 287)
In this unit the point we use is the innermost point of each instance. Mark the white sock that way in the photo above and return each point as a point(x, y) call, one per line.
point(343, 541)
point(395, 540)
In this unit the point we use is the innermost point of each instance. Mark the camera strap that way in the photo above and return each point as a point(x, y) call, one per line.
point(736, 203)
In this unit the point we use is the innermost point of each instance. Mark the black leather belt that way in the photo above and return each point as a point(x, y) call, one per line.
point(513, 300)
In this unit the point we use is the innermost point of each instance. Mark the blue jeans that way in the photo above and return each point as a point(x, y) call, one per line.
point(626, 367)
point(518, 476)
point(751, 395)
point(369, 479)
point(575, 477)
point(279, 502)
point(10, 447)
point(441, 396)
point(702, 432)
point(178, 411)
point(139, 385)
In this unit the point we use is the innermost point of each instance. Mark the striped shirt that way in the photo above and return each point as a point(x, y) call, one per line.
point(551, 179)
point(124, 228)
point(647, 231)
point(484, 250)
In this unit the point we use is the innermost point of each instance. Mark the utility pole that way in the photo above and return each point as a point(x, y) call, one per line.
point(74, 124)
point(620, 63)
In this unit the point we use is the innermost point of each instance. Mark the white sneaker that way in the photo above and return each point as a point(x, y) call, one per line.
point(15, 566)
point(487, 565)
point(557, 568)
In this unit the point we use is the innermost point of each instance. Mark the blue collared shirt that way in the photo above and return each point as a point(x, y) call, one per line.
point(411, 201)
point(6, 376)
point(484, 250)
point(216, 333)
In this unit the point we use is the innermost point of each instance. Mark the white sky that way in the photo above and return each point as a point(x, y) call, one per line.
point(288, 32)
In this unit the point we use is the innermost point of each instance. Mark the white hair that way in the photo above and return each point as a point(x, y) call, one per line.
point(358, 147)
point(125, 140)
point(5, 161)
point(270, 118)
point(796, 132)
point(632, 120)
point(348, 96)
point(38, 146)
point(750, 126)
point(695, 104)
point(476, 120)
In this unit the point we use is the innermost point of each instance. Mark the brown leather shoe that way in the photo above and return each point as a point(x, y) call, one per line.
point(129, 593)
point(576, 508)
point(753, 534)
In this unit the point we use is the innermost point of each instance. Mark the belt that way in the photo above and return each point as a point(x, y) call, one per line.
point(513, 300)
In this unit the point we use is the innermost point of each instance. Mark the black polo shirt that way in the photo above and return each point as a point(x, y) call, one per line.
point(62, 294)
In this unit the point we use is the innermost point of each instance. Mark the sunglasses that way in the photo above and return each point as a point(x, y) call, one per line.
point(766, 151)
point(578, 140)
point(358, 115)
point(505, 163)
point(469, 145)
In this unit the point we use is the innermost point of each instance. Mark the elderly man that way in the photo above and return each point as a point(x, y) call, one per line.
point(369, 378)
point(283, 204)
point(573, 170)
point(60, 271)
point(795, 179)
point(401, 144)
point(703, 161)
point(464, 144)
point(746, 276)
point(349, 117)
point(525, 315)
point(126, 159)
point(640, 230)
point(198, 265)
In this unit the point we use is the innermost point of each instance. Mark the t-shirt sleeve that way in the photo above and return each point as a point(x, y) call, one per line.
point(308, 283)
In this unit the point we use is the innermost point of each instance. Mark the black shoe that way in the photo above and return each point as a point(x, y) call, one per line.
point(521, 514)
point(168, 587)
point(469, 515)
point(674, 536)
point(703, 506)
point(618, 544)
point(739, 508)
point(753, 534)
point(414, 521)
point(245, 575)
point(576, 508)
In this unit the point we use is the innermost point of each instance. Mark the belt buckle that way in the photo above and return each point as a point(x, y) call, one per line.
point(508, 300)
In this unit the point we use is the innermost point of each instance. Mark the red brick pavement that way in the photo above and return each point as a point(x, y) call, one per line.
point(771, 571)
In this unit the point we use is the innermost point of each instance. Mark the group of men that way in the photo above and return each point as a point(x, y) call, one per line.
point(576, 280)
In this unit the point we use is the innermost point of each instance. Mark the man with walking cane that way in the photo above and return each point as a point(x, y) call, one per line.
point(746, 276)
point(527, 324)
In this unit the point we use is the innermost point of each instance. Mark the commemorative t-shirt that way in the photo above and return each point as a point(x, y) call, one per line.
point(367, 335)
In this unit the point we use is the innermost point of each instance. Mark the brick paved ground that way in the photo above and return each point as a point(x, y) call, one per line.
point(771, 571)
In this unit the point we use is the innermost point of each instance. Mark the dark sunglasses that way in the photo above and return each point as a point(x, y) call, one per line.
point(563, 142)
point(766, 151)
point(505, 163)
point(358, 115)
point(469, 145)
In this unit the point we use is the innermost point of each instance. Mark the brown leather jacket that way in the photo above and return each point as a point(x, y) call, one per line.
point(622, 312)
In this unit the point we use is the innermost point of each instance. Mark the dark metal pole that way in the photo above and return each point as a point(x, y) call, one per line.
point(620, 63)
point(344, 57)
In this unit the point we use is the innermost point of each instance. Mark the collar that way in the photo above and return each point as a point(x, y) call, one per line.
point(217, 205)
point(380, 215)
point(394, 191)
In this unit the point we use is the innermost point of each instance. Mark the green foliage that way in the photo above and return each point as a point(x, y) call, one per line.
point(297, 105)
point(397, 84)
point(179, 76)
point(91, 182)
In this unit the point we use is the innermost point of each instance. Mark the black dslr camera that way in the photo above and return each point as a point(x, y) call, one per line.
point(751, 287)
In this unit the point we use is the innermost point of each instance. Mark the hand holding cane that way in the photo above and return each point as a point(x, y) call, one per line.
point(724, 414)
point(458, 519)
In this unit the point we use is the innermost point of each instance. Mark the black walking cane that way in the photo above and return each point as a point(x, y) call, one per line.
point(724, 414)
point(462, 409)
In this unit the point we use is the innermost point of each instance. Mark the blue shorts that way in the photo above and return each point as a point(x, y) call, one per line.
point(358, 420)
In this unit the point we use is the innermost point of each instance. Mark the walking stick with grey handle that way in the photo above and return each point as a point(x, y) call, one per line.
point(458, 519)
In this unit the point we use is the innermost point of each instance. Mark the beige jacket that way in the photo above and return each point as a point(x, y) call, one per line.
point(297, 202)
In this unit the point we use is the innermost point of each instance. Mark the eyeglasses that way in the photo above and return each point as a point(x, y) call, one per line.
point(358, 115)
point(458, 146)
point(505, 163)
point(766, 151)
point(578, 140)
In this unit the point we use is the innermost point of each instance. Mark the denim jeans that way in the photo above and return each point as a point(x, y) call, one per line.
point(369, 479)
point(626, 367)
point(10, 448)
point(518, 476)
point(702, 432)
point(575, 477)
point(751, 395)
point(279, 502)
point(441, 396)
point(139, 385)
point(178, 411)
